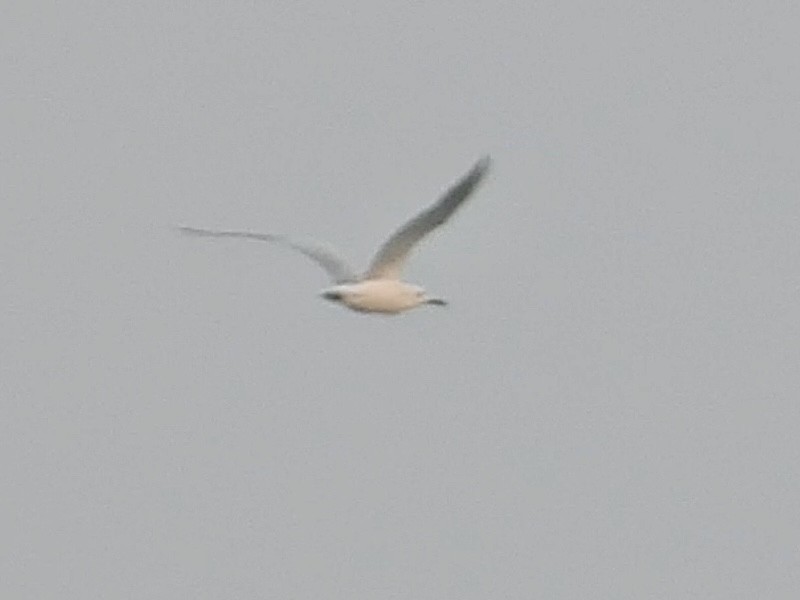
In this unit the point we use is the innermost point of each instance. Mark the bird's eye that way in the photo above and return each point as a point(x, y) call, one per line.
point(332, 295)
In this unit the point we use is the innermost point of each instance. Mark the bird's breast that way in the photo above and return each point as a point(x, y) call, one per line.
point(382, 296)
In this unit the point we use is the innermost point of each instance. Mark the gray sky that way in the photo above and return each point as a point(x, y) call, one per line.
point(608, 408)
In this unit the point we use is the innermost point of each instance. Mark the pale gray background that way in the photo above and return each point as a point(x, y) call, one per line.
point(608, 408)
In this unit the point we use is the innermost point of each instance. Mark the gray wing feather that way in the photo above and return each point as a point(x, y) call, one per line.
point(336, 268)
point(390, 258)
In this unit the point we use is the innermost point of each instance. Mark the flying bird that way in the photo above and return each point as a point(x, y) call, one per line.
point(380, 289)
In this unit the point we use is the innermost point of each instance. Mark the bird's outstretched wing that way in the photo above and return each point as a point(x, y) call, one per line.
point(337, 269)
point(390, 258)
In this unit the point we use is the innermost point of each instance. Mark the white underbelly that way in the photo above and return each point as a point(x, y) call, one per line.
point(382, 296)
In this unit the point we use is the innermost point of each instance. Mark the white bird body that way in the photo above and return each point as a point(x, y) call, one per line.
point(380, 289)
point(388, 296)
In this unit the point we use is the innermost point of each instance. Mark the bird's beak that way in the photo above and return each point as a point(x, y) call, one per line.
point(332, 295)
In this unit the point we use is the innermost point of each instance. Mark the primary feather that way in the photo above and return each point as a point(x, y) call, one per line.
point(338, 270)
point(391, 257)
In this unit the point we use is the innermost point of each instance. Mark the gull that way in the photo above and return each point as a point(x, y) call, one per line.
point(380, 289)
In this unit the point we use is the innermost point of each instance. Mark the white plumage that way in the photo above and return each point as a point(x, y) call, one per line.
point(380, 289)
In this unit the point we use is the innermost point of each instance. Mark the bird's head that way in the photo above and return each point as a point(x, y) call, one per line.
point(334, 294)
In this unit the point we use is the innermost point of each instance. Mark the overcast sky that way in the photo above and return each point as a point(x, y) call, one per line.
point(608, 408)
